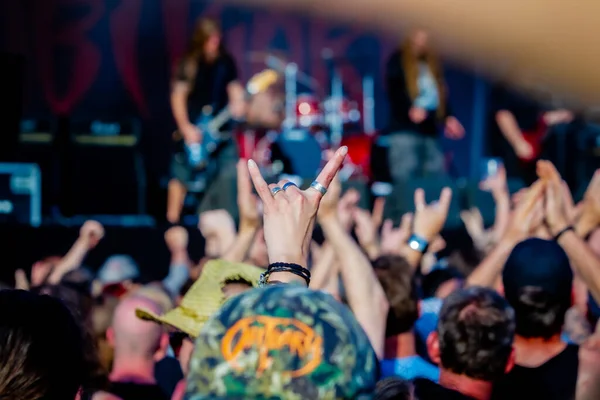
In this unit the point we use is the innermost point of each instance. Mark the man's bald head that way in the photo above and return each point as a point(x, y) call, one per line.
point(130, 335)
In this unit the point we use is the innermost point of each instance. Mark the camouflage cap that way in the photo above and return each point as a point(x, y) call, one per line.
point(282, 341)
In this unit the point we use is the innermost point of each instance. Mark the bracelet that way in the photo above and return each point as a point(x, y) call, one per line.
point(284, 267)
point(564, 230)
point(418, 243)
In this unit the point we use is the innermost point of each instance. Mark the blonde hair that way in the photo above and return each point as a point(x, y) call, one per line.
point(410, 65)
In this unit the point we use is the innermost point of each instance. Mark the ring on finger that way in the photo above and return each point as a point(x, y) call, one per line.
point(288, 184)
point(275, 190)
point(318, 187)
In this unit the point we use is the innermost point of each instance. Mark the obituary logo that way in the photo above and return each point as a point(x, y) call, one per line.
point(274, 340)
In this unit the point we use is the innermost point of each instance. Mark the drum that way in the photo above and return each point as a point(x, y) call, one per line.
point(346, 109)
point(309, 111)
point(260, 145)
point(301, 150)
point(358, 160)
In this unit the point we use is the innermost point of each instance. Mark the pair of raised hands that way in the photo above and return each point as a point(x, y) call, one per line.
point(546, 207)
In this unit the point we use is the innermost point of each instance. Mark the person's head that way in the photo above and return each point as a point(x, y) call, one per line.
point(394, 388)
point(538, 281)
point(282, 341)
point(474, 335)
point(133, 338)
point(419, 42)
point(41, 348)
point(206, 39)
point(79, 301)
point(398, 282)
point(118, 269)
point(81, 279)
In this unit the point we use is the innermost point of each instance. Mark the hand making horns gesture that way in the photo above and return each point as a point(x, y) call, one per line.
point(289, 213)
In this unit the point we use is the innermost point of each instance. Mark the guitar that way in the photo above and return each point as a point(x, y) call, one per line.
point(198, 155)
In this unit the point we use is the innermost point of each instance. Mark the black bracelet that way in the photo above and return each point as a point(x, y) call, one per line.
point(564, 230)
point(285, 267)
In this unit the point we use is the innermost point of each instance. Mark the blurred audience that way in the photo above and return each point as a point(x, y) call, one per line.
point(376, 310)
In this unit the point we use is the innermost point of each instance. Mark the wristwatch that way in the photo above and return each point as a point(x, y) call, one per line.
point(417, 243)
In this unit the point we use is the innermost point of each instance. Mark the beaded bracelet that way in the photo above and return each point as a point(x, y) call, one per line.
point(284, 267)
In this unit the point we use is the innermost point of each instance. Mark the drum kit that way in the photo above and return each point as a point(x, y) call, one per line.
point(289, 131)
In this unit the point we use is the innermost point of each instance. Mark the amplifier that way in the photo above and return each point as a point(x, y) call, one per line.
point(20, 194)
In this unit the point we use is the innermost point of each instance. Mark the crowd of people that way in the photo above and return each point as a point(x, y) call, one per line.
point(372, 312)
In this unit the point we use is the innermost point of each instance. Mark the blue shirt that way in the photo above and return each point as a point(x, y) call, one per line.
point(428, 319)
point(409, 368)
point(428, 97)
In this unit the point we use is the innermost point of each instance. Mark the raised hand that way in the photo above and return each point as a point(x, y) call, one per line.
point(92, 232)
point(213, 222)
point(289, 213)
point(573, 210)
point(21, 281)
point(496, 184)
point(366, 231)
point(246, 199)
point(546, 171)
point(176, 239)
point(378, 209)
point(555, 214)
point(590, 209)
point(430, 218)
point(528, 213)
point(473, 222)
point(393, 240)
point(347, 205)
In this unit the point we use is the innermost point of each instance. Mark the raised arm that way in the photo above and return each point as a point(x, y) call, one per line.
point(176, 239)
point(584, 261)
point(90, 234)
point(527, 216)
point(249, 216)
point(363, 291)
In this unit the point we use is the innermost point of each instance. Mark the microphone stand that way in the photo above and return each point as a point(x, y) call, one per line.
point(291, 119)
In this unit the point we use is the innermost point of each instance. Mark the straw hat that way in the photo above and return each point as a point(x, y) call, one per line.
point(205, 297)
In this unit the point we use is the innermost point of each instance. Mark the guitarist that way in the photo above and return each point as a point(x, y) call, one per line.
point(518, 126)
point(205, 81)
